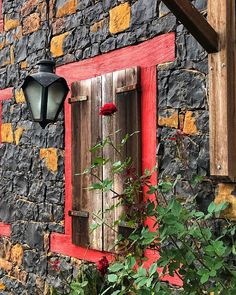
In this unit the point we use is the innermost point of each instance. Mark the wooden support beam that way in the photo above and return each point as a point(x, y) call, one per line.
point(195, 22)
point(222, 90)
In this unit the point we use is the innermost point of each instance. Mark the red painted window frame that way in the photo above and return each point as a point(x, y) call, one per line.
point(147, 56)
point(1, 18)
point(5, 94)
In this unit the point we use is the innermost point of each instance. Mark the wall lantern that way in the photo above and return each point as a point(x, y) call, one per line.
point(45, 93)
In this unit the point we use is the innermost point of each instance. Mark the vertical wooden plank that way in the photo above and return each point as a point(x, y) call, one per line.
point(221, 15)
point(80, 160)
point(125, 120)
point(95, 198)
point(108, 129)
point(134, 118)
point(86, 129)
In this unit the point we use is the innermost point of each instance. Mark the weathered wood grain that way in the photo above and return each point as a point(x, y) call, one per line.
point(196, 24)
point(222, 92)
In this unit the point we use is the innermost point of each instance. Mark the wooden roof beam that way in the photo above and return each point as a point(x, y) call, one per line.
point(195, 22)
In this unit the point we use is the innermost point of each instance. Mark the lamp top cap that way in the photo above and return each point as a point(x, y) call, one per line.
point(46, 62)
point(46, 65)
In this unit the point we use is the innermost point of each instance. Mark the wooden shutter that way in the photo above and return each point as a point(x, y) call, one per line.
point(88, 128)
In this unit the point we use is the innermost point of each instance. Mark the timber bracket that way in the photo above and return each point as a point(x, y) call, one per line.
point(195, 22)
point(218, 37)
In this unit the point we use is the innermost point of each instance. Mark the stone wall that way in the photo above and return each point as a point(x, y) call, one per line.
point(32, 159)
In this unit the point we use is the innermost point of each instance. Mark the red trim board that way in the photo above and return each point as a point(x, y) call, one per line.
point(5, 94)
point(147, 56)
point(5, 229)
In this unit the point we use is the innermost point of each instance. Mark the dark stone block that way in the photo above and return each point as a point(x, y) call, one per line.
point(108, 45)
point(44, 212)
point(25, 160)
point(87, 53)
point(143, 11)
point(5, 56)
point(24, 210)
point(37, 41)
point(10, 160)
point(82, 4)
point(20, 184)
point(34, 233)
point(55, 227)
point(187, 90)
point(3, 78)
point(203, 159)
point(56, 135)
point(58, 213)
point(200, 4)
point(6, 113)
point(125, 39)
point(73, 21)
point(55, 192)
point(12, 75)
point(202, 121)
point(7, 206)
point(35, 262)
point(20, 50)
point(108, 4)
point(82, 37)
point(195, 52)
point(162, 25)
point(95, 49)
point(93, 13)
point(37, 191)
point(18, 232)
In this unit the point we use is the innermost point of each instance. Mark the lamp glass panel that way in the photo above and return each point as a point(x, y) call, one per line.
point(33, 92)
point(56, 93)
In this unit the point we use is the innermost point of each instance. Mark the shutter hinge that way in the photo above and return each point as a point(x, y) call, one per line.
point(74, 213)
point(127, 88)
point(78, 98)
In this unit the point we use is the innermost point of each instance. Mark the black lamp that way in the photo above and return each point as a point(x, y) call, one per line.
point(45, 93)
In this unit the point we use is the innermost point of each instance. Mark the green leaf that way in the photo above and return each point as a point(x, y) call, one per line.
point(116, 267)
point(222, 206)
point(211, 207)
point(165, 187)
point(153, 269)
point(112, 278)
point(96, 186)
point(204, 278)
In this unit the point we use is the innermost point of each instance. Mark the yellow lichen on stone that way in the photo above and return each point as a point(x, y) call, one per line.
point(97, 26)
point(57, 45)
point(50, 155)
point(2, 44)
point(31, 23)
point(2, 286)
point(190, 124)
point(17, 254)
point(19, 96)
point(18, 134)
point(226, 194)
point(69, 7)
point(7, 133)
point(12, 55)
point(6, 265)
point(10, 24)
point(172, 121)
point(120, 18)
point(24, 64)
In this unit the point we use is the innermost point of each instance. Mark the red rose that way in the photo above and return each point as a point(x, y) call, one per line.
point(108, 109)
point(103, 265)
point(55, 265)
